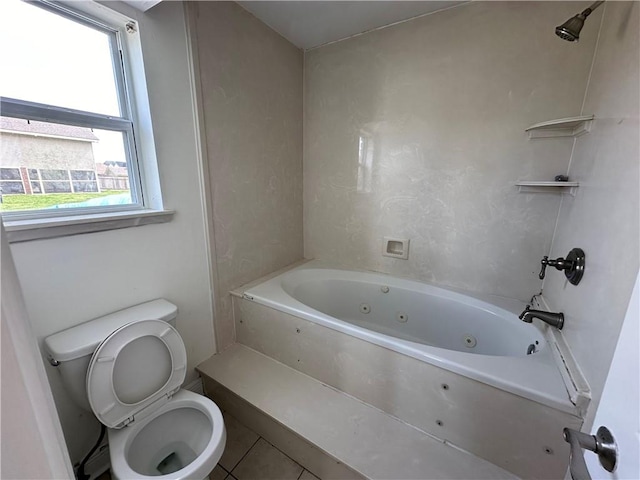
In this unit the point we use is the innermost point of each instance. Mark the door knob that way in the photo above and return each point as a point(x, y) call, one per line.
point(602, 443)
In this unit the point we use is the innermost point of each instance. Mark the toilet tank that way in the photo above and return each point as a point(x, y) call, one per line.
point(70, 350)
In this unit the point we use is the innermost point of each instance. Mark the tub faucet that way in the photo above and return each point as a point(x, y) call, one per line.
point(551, 318)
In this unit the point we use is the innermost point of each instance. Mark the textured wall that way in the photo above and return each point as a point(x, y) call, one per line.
point(417, 131)
point(602, 218)
point(251, 82)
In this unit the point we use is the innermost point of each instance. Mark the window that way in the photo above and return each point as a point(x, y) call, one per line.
point(11, 181)
point(67, 130)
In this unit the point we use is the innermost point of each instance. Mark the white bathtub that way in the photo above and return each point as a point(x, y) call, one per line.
point(480, 338)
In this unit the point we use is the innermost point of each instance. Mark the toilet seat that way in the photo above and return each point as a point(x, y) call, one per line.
point(135, 371)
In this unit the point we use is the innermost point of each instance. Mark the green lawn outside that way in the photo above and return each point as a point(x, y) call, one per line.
point(34, 202)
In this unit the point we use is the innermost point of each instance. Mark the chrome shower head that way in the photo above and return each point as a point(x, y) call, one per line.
point(570, 30)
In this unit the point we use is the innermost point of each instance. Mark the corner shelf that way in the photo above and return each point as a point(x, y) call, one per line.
point(563, 127)
point(547, 187)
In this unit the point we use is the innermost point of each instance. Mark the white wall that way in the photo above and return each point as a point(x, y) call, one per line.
point(602, 218)
point(69, 280)
point(443, 101)
point(32, 444)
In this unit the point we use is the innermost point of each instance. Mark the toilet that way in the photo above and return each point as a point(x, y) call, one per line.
point(127, 368)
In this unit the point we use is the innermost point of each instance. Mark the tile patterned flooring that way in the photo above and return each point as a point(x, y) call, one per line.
point(247, 456)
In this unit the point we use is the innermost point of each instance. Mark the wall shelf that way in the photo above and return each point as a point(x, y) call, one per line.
point(547, 187)
point(562, 127)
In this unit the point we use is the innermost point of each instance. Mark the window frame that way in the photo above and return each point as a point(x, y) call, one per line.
point(124, 124)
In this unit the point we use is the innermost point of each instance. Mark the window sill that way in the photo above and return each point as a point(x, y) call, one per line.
point(37, 229)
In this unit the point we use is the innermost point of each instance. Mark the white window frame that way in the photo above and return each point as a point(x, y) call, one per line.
point(134, 123)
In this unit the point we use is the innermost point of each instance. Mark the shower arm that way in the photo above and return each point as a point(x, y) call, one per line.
point(587, 11)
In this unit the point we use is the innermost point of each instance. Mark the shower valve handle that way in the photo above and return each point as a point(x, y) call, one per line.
point(559, 263)
point(573, 265)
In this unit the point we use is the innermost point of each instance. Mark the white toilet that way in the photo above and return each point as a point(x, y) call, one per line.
point(127, 368)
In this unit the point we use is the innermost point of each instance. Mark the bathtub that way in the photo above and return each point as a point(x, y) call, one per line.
point(479, 337)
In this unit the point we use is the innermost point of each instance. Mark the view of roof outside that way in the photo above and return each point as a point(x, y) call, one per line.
point(56, 61)
point(25, 127)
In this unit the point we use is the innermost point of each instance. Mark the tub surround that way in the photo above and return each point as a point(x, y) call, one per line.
point(250, 81)
point(415, 133)
point(603, 217)
point(428, 143)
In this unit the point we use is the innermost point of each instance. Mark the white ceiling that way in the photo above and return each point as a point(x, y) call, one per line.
point(309, 24)
point(142, 5)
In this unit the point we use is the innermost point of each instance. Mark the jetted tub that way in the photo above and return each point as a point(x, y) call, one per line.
point(480, 337)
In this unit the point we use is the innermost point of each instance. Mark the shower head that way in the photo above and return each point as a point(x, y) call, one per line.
point(570, 30)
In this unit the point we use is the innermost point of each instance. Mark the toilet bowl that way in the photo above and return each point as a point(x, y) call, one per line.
point(184, 438)
point(127, 368)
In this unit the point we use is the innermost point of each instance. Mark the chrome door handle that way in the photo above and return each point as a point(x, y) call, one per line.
point(601, 443)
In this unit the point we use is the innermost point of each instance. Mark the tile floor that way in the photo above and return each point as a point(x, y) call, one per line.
point(247, 456)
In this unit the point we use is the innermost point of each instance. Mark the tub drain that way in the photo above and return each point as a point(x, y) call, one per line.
point(469, 341)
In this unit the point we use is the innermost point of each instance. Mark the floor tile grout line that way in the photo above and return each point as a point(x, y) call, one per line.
point(269, 443)
point(293, 460)
point(246, 453)
point(302, 466)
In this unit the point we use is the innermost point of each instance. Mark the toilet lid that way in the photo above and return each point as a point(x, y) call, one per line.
point(140, 364)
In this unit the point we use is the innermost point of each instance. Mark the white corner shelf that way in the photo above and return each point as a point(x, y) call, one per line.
point(562, 127)
point(547, 187)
